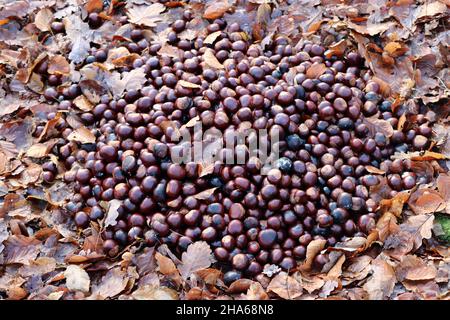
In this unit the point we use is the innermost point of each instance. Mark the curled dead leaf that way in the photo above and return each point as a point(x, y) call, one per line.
point(316, 70)
point(82, 135)
point(211, 60)
point(188, 84)
point(58, 65)
point(426, 200)
point(77, 279)
point(313, 249)
point(205, 194)
point(285, 286)
point(216, 9)
point(375, 170)
point(43, 19)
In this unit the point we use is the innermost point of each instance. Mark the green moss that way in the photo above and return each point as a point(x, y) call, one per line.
point(442, 228)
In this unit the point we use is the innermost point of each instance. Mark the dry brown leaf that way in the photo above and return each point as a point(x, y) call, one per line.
point(94, 6)
point(170, 51)
point(77, 279)
point(205, 169)
point(166, 265)
point(386, 226)
point(38, 150)
point(43, 19)
point(395, 204)
point(375, 170)
point(209, 275)
point(113, 283)
point(381, 284)
point(420, 227)
point(216, 9)
point(316, 70)
point(285, 286)
point(415, 269)
point(205, 194)
point(395, 49)
point(313, 249)
point(212, 37)
point(146, 16)
point(426, 200)
point(21, 249)
point(310, 283)
point(370, 29)
point(256, 292)
point(82, 135)
point(198, 256)
point(378, 125)
point(336, 49)
point(211, 60)
point(40, 266)
point(420, 156)
point(240, 285)
point(82, 103)
point(150, 292)
point(58, 65)
point(188, 84)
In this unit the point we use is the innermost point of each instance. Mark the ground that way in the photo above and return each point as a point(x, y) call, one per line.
point(44, 256)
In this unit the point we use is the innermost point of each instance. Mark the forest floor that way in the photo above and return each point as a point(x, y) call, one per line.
point(44, 256)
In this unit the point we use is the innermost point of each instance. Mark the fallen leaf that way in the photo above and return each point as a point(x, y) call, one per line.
point(211, 60)
point(370, 29)
point(426, 200)
point(38, 150)
point(188, 84)
point(58, 65)
point(43, 19)
point(313, 249)
point(110, 285)
point(420, 227)
point(166, 265)
point(205, 194)
point(82, 103)
point(112, 213)
point(147, 16)
point(80, 34)
point(82, 135)
point(316, 70)
point(413, 268)
point(211, 38)
point(377, 125)
point(77, 279)
point(216, 9)
point(150, 292)
point(21, 249)
point(256, 292)
point(285, 286)
point(198, 256)
point(94, 6)
point(40, 266)
point(336, 49)
point(375, 170)
point(210, 275)
point(381, 283)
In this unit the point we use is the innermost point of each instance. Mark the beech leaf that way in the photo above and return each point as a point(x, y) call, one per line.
point(77, 279)
point(43, 19)
point(146, 16)
point(197, 257)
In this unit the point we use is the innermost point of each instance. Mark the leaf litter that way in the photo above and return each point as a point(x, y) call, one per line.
point(403, 45)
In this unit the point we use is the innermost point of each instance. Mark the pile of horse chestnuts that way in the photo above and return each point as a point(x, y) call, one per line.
point(318, 189)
